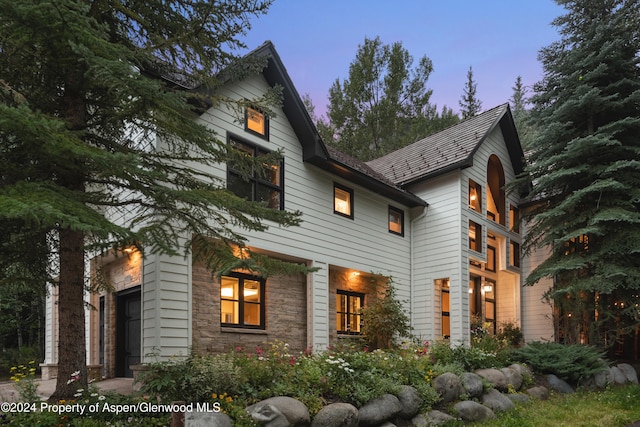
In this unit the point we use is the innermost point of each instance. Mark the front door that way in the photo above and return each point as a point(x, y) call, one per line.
point(128, 332)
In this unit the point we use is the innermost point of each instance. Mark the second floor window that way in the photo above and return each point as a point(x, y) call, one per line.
point(343, 201)
point(396, 221)
point(266, 185)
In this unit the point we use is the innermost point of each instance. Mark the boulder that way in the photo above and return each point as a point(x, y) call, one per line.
point(379, 410)
point(539, 392)
point(469, 410)
point(280, 411)
point(437, 418)
point(472, 384)
point(618, 376)
point(603, 378)
point(497, 401)
point(522, 369)
point(518, 397)
point(336, 415)
point(513, 376)
point(629, 372)
point(495, 377)
point(449, 386)
point(208, 419)
point(559, 385)
point(410, 400)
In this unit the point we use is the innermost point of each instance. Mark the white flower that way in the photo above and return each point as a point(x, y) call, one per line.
point(101, 397)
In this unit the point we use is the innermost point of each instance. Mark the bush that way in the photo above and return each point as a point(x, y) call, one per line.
point(573, 363)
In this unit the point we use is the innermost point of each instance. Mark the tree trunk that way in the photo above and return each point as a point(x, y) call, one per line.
point(72, 362)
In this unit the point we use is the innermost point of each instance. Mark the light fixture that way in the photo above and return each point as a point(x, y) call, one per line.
point(488, 288)
point(470, 290)
point(227, 292)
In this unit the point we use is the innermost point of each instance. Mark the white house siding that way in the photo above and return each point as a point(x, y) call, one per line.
point(537, 314)
point(438, 256)
point(323, 239)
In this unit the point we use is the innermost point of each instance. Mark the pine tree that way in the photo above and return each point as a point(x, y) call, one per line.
point(469, 103)
point(372, 112)
point(521, 115)
point(585, 169)
point(96, 122)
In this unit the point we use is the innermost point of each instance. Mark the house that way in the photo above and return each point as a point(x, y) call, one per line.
point(434, 216)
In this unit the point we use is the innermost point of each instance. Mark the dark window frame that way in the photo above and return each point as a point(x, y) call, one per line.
point(400, 213)
point(266, 123)
point(348, 314)
point(478, 189)
point(475, 244)
point(257, 182)
point(262, 303)
point(348, 190)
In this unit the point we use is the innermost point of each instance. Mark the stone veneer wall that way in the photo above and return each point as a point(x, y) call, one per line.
point(346, 280)
point(285, 317)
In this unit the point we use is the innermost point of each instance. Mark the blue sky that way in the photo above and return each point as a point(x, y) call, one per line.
point(500, 39)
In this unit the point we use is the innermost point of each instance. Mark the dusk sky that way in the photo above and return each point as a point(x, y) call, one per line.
point(500, 39)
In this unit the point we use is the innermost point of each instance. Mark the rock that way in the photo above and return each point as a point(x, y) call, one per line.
point(495, 377)
point(539, 392)
point(522, 369)
point(437, 418)
point(618, 376)
point(518, 398)
point(629, 372)
point(603, 378)
point(379, 410)
point(497, 401)
point(207, 419)
point(280, 411)
point(449, 386)
point(561, 386)
point(410, 400)
point(472, 384)
point(336, 415)
point(469, 410)
point(514, 378)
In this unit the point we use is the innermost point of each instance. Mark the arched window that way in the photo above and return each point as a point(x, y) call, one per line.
point(495, 191)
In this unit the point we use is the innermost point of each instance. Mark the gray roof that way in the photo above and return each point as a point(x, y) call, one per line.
point(450, 149)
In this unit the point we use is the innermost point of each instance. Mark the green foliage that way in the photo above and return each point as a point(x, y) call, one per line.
point(385, 319)
point(23, 377)
point(192, 379)
point(384, 103)
point(511, 334)
point(469, 102)
point(485, 352)
point(584, 169)
point(572, 363)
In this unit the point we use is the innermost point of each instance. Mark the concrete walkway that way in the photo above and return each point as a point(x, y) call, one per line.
point(8, 392)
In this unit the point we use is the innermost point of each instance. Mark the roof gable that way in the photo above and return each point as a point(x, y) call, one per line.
point(450, 149)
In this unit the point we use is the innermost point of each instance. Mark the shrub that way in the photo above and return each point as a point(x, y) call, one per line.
point(511, 334)
point(573, 363)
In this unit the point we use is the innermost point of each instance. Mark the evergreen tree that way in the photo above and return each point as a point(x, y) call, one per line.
point(521, 115)
point(585, 169)
point(469, 103)
point(96, 123)
point(371, 113)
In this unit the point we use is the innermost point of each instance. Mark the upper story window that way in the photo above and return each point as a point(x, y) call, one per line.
point(342, 200)
point(475, 196)
point(396, 221)
point(514, 219)
point(475, 236)
point(242, 301)
point(495, 191)
point(348, 312)
point(266, 185)
point(256, 122)
point(514, 254)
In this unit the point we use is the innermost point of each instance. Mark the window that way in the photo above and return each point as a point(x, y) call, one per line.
point(445, 305)
point(475, 236)
point(242, 301)
point(514, 254)
point(256, 122)
point(475, 196)
point(495, 190)
point(342, 201)
point(348, 315)
point(490, 304)
point(396, 221)
point(514, 219)
point(266, 185)
point(491, 259)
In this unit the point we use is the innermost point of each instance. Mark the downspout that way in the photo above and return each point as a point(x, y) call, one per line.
point(412, 261)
